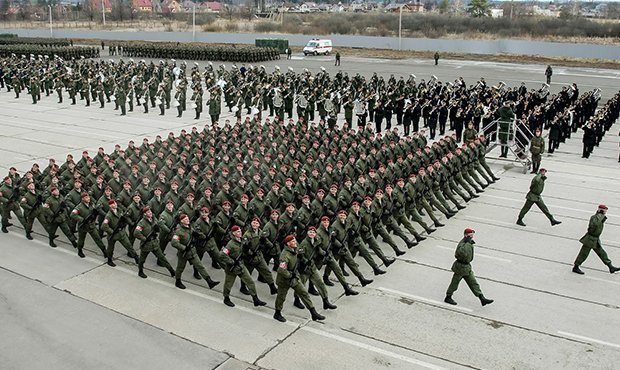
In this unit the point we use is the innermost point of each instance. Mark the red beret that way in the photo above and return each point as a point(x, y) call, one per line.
point(256, 219)
point(312, 228)
point(204, 209)
point(288, 238)
point(367, 198)
point(542, 170)
point(469, 231)
point(356, 203)
point(146, 209)
point(275, 211)
point(182, 216)
point(245, 196)
point(342, 211)
point(225, 203)
point(84, 194)
point(235, 228)
point(324, 218)
point(602, 206)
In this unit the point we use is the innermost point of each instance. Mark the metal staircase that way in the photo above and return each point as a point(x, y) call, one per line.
point(493, 131)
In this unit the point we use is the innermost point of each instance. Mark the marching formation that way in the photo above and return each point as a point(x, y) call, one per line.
point(301, 199)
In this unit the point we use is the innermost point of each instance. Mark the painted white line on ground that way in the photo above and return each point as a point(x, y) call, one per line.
point(427, 300)
point(495, 221)
point(478, 254)
point(59, 249)
point(586, 339)
point(372, 348)
point(603, 280)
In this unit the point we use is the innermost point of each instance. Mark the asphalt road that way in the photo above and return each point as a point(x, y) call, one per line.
point(60, 311)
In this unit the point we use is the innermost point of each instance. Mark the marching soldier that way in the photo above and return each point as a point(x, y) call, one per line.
point(537, 148)
point(461, 268)
point(147, 231)
point(288, 278)
point(57, 217)
point(231, 257)
point(182, 241)
point(534, 197)
point(9, 202)
point(592, 241)
point(113, 226)
point(85, 217)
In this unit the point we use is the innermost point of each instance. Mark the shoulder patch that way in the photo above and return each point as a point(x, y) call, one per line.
point(176, 237)
point(24, 200)
point(75, 212)
point(283, 265)
point(139, 228)
point(226, 251)
point(106, 221)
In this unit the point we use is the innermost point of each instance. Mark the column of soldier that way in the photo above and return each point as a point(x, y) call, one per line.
point(244, 194)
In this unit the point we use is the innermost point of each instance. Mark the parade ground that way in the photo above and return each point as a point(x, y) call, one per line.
point(59, 311)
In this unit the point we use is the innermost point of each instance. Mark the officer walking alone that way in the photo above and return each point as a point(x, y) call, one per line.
point(462, 269)
point(592, 241)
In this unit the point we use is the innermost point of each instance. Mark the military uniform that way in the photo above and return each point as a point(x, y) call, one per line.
point(592, 241)
point(534, 197)
point(147, 231)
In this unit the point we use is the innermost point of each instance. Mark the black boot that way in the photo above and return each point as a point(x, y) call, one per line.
point(411, 244)
point(459, 207)
point(228, 302)
point(555, 222)
point(449, 300)
point(261, 279)
point(312, 289)
point(327, 305)
point(327, 281)
point(315, 315)
point(80, 253)
point(348, 291)
point(377, 271)
point(211, 283)
point(179, 284)
point(430, 230)
point(52, 244)
point(364, 281)
point(388, 261)
point(438, 224)
point(244, 289)
point(28, 235)
point(73, 243)
point(257, 302)
point(111, 262)
point(520, 222)
point(4, 229)
point(418, 237)
point(278, 316)
point(196, 275)
point(141, 272)
point(577, 270)
point(398, 252)
point(612, 268)
point(273, 289)
point(484, 301)
point(297, 303)
point(171, 271)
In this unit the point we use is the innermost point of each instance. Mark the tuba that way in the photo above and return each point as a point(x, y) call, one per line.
point(329, 105)
point(277, 99)
point(302, 101)
point(359, 108)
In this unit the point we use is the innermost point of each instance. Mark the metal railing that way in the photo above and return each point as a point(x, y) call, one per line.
point(515, 138)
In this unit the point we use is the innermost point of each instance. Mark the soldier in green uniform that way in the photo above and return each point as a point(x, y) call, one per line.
point(147, 232)
point(204, 229)
point(324, 256)
point(85, 217)
point(113, 226)
point(231, 257)
point(253, 256)
point(506, 116)
point(307, 250)
point(464, 254)
point(56, 214)
point(32, 203)
point(167, 224)
point(9, 202)
point(182, 241)
point(288, 278)
point(592, 241)
point(537, 148)
point(338, 236)
point(534, 197)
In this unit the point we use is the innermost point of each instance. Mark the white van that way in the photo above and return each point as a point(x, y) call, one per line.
point(316, 47)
